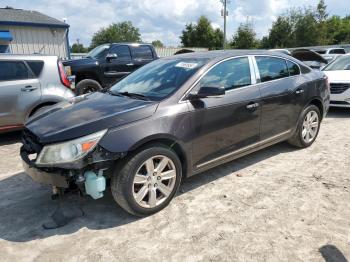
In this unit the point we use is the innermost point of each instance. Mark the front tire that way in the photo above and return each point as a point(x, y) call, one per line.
point(308, 127)
point(147, 181)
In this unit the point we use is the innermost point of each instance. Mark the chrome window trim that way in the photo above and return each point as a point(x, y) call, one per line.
point(255, 76)
point(283, 58)
point(183, 100)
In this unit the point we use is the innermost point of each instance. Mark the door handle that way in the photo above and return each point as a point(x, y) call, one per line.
point(28, 88)
point(299, 91)
point(130, 64)
point(252, 106)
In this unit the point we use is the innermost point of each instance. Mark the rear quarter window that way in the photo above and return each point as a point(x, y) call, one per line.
point(142, 52)
point(36, 67)
point(304, 69)
point(293, 68)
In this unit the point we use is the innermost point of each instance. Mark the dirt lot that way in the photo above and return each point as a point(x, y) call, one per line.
point(279, 204)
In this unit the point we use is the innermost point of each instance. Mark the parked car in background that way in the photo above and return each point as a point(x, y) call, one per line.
point(173, 118)
point(107, 64)
point(28, 84)
point(338, 73)
point(330, 53)
point(309, 57)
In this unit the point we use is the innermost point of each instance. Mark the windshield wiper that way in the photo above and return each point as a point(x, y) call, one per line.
point(133, 95)
point(107, 90)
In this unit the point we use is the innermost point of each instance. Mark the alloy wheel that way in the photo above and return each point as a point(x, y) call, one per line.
point(154, 181)
point(310, 126)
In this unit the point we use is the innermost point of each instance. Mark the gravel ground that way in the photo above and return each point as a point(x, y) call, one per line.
point(279, 204)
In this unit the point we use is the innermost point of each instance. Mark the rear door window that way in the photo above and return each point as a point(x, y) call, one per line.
point(230, 74)
point(36, 67)
point(293, 68)
point(122, 51)
point(271, 68)
point(142, 52)
point(13, 70)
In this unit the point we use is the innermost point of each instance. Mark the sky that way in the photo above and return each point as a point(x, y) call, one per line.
point(165, 19)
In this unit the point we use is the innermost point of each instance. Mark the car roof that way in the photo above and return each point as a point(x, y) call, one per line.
point(223, 54)
point(30, 57)
point(130, 43)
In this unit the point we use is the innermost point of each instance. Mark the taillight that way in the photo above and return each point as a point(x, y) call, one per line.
point(63, 76)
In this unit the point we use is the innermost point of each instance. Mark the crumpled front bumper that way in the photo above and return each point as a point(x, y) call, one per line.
point(54, 179)
point(51, 178)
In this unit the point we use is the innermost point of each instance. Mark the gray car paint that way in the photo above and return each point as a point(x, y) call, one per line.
point(213, 128)
point(17, 103)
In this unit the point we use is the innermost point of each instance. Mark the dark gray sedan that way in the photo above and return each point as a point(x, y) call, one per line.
point(173, 118)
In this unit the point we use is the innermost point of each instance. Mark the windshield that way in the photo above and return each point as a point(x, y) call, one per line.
point(99, 51)
point(341, 63)
point(160, 78)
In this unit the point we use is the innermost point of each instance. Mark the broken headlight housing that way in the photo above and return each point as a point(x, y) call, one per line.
point(69, 151)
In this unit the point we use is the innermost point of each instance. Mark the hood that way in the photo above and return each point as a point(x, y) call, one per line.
point(87, 114)
point(338, 75)
point(80, 62)
point(308, 55)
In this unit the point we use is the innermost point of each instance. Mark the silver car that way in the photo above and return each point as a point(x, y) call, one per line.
point(28, 84)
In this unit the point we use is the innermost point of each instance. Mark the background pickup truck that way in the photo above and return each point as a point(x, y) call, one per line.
point(107, 64)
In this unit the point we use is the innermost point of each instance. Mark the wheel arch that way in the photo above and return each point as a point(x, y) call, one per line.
point(317, 102)
point(40, 105)
point(168, 141)
point(83, 76)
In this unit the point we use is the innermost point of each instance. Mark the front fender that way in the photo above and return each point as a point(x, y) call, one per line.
point(129, 137)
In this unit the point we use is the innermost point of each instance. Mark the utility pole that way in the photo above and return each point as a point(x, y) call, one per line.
point(224, 13)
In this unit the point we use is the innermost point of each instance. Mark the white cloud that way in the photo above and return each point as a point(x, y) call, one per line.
point(165, 19)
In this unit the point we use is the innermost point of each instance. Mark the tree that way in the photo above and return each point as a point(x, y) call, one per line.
point(202, 34)
point(306, 29)
point(281, 33)
point(78, 48)
point(157, 43)
point(321, 17)
point(338, 30)
point(119, 32)
point(245, 37)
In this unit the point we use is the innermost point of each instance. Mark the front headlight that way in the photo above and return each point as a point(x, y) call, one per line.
point(69, 151)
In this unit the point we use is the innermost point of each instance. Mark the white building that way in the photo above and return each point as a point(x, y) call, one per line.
point(30, 32)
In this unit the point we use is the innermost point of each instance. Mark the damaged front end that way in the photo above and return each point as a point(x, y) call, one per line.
point(77, 164)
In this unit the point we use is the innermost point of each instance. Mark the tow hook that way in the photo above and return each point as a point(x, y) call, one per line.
point(56, 192)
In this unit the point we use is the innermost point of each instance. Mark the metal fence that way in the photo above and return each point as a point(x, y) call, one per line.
point(161, 51)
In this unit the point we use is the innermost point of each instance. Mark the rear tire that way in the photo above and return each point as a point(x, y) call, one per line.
point(146, 182)
point(87, 86)
point(308, 127)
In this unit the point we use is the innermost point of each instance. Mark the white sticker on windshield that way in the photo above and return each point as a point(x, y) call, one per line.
point(186, 65)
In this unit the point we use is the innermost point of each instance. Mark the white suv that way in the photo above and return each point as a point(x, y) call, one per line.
point(338, 73)
point(331, 54)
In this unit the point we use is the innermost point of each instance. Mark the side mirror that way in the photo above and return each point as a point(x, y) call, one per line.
point(111, 57)
point(207, 91)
